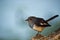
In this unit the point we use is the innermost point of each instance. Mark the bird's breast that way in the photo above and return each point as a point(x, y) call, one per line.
point(38, 28)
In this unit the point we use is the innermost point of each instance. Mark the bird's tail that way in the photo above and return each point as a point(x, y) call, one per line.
point(52, 18)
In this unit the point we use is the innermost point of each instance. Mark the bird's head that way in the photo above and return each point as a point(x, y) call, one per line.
point(31, 18)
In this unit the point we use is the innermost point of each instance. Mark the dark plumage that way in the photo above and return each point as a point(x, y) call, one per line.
point(39, 23)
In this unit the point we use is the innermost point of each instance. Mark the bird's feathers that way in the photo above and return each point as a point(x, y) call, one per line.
point(52, 18)
point(41, 22)
point(38, 28)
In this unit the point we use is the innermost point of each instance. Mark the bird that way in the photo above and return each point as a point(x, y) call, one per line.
point(38, 24)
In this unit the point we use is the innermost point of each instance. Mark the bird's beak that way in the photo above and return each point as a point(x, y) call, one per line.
point(26, 20)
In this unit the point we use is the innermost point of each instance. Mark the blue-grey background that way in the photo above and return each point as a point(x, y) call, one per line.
point(14, 12)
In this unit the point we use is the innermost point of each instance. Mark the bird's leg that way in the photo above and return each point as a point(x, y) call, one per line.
point(37, 33)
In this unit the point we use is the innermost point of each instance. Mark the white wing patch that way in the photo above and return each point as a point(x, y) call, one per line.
point(43, 23)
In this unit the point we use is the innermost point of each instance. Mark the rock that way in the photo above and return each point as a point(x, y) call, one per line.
point(52, 36)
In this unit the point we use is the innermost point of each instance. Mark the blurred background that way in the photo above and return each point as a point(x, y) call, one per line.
point(14, 12)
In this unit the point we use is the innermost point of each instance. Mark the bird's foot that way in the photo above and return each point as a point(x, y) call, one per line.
point(37, 34)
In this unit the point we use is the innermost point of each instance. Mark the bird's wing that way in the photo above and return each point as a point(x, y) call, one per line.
point(41, 22)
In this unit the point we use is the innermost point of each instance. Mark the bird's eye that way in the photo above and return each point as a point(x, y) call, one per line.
point(31, 19)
